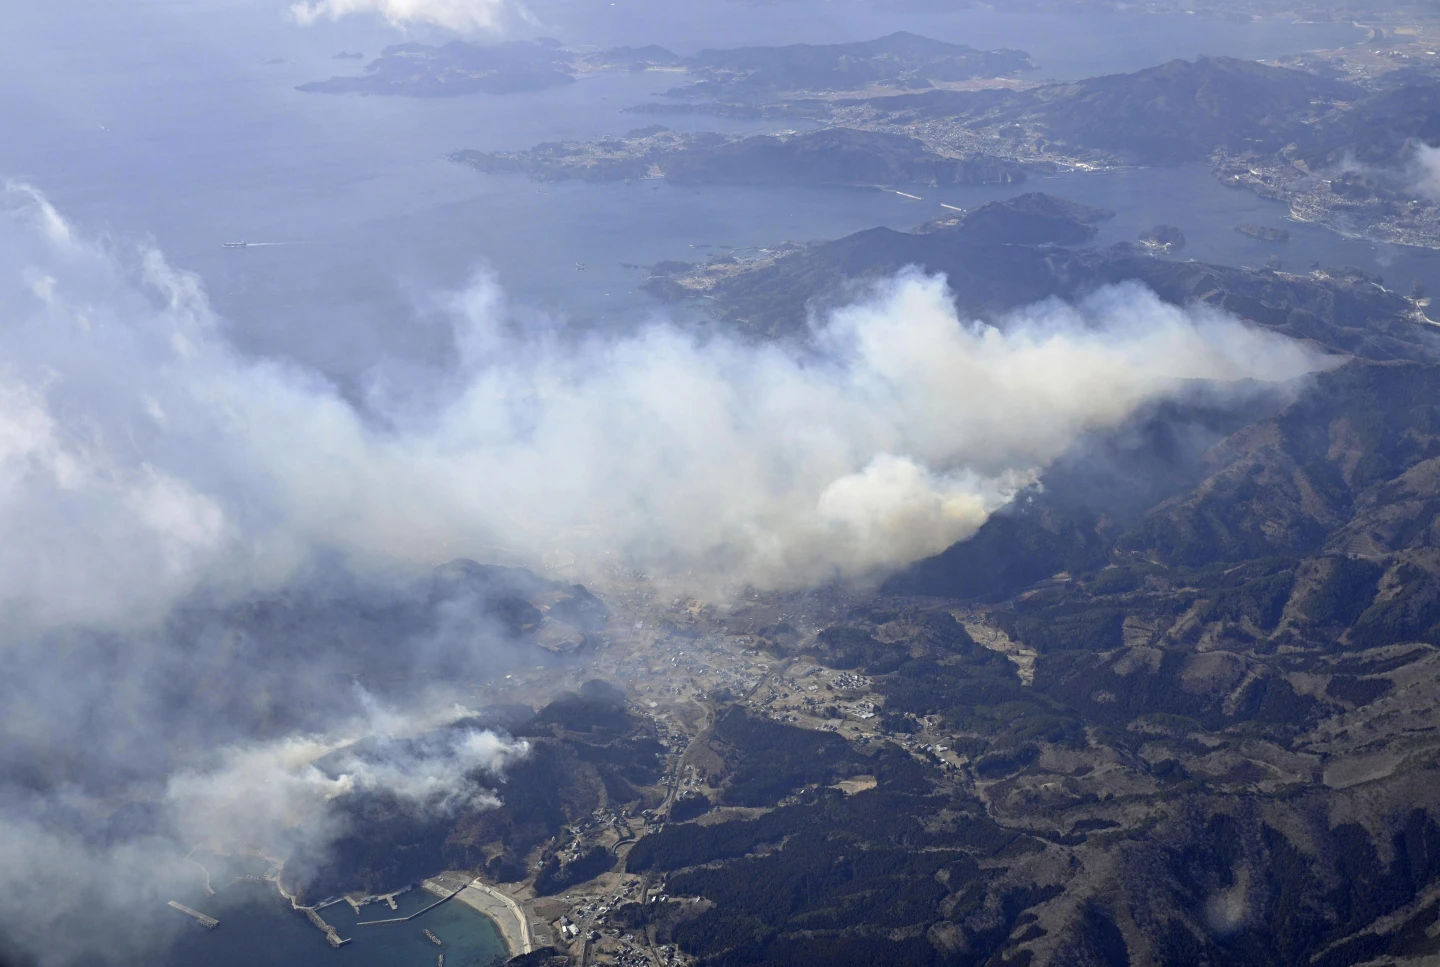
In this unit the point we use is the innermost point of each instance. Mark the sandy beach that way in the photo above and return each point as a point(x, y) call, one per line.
point(514, 928)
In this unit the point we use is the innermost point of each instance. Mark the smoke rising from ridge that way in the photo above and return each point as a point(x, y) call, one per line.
point(141, 456)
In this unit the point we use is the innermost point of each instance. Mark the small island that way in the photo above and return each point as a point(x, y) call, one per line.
point(420, 70)
point(1264, 233)
point(1163, 238)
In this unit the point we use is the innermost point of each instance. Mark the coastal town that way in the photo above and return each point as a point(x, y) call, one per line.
point(1393, 218)
point(677, 658)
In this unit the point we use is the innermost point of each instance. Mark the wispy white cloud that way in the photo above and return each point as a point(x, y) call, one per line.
point(462, 16)
point(1425, 168)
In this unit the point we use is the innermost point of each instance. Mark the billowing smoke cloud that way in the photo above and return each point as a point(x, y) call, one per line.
point(463, 16)
point(140, 455)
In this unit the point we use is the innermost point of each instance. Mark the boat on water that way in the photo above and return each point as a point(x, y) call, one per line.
point(432, 938)
point(234, 244)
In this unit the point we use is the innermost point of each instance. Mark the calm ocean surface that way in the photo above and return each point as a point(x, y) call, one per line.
point(258, 929)
point(191, 133)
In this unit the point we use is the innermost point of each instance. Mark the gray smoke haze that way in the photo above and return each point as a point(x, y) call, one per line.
point(152, 475)
point(1425, 171)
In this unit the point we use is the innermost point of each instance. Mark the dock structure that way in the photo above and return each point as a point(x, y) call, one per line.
point(443, 898)
point(332, 936)
point(209, 923)
point(209, 890)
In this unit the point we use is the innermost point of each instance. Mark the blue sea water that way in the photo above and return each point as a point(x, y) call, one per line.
point(191, 133)
point(259, 929)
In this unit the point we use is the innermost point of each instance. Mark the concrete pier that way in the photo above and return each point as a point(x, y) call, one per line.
point(209, 923)
point(332, 936)
point(443, 897)
point(209, 890)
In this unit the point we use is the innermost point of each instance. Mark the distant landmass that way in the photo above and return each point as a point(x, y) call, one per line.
point(834, 156)
point(900, 60)
point(419, 70)
point(1013, 253)
point(1338, 152)
point(1177, 112)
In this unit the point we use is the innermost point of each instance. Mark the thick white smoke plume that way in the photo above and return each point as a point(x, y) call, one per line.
point(141, 455)
point(277, 792)
point(278, 795)
point(463, 16)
